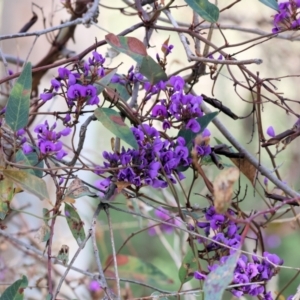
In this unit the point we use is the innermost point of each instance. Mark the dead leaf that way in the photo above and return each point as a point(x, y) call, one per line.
point(76, 190)
point(223, 188)
point(165, 45)
point(121, 185)
point(69, 200)
point(246, 168)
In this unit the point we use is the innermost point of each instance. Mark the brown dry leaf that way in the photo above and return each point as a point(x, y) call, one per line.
point(246, 168)
point(77, 189)
point(121, 185)
point(165, 45)
point(69, 200)
point(223, 188)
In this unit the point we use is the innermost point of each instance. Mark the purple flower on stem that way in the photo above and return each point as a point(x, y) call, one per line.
point(193, 125)
point(55, 84)
point(76, 91)
point(199, 276)
point(46, 96)
point(177, 82)
point(271, 131)
point(159, 111)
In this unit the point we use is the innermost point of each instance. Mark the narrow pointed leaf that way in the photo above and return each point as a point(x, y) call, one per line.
point(30, 159)
point(218, 280)
point(205, 9)
point(270, 3)
point(188, 267)
point(114, 123)
point(28, 182)
point(75, 223)
point(16, 290)
point(17, 109)
point(152, 70)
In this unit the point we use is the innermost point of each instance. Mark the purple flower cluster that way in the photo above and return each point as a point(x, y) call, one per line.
point(164, 215)
point(287, 18)
point(225, 231)
point(156, 159)
point(48, 140)
point(77, 85)
point(254, 271)
point(178, 107)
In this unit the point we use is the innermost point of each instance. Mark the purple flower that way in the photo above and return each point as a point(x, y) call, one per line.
point(94, 286)
point(271, 131)
point(98, 57)
point(153, 169)
point(76, 91)
point(193, 125)
point(103, 184)
point(159, 111)
point(47, 147)
point(27, 148)
point(63, 73)
point(166, 125)
point(46, 96)
point(55, 84)
point(177, 82)
point(72, 79)
point(199, 276)
point(206, 133)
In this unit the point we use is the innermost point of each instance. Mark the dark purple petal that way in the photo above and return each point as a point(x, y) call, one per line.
point(193, 125)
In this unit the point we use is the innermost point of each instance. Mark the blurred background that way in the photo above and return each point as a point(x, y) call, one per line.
point(164, 251)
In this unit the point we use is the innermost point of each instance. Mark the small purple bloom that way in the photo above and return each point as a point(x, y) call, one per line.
point(177, 82)
point(159, 111)
point(46, 96)
point(27, 148)
point(55, 84)
point(94, 286)
point(199, 276)
point(76, 91)
point(193, 125)
point(271, 131)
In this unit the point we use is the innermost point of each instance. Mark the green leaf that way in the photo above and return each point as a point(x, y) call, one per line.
point(63, 254)
point(75, 223)
point(152, 70)
point(30, 159)
point(17, 109)
point(137, 269)
point(188, 267)
point(114, 123)
point(128, 45)
point(137, 51)
point(205, 9)
point(270, 3)
point(218, 280)
point(120, 90)
point(28, 182)
point(6, 195)
point(104, 81)
point(189, 135)
point(16, 290)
